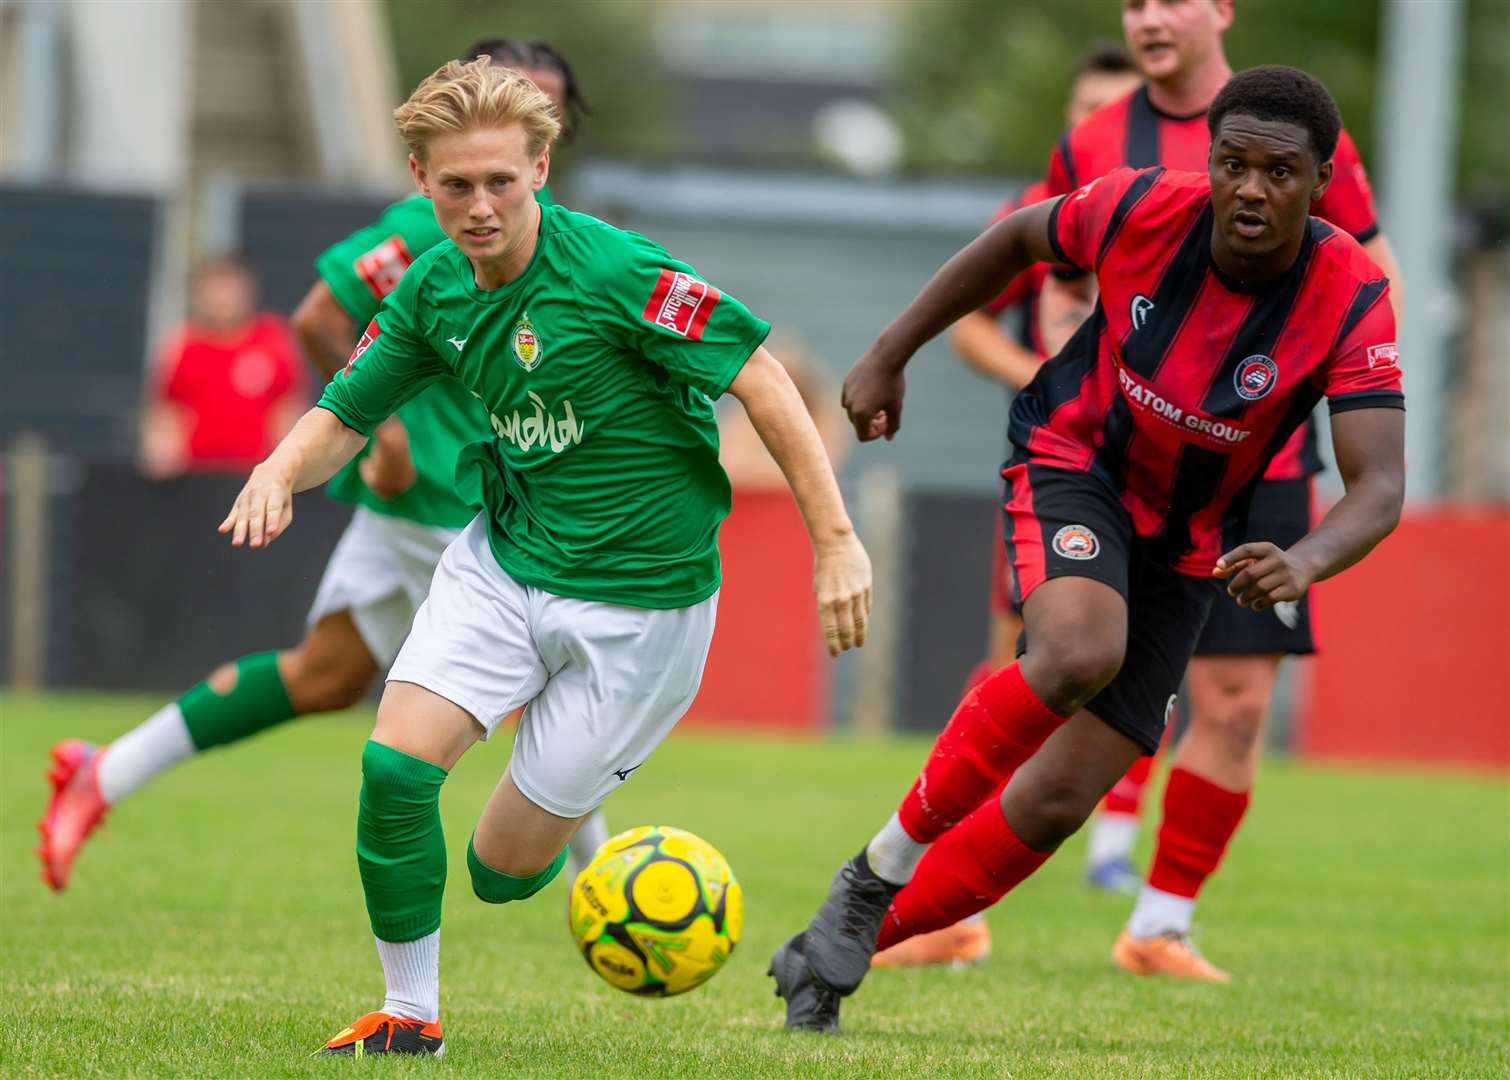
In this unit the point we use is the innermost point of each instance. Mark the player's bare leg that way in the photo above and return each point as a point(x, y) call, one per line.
point(1204, 802)
point(330, 669)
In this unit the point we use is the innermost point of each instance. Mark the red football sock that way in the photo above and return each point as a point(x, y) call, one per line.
point(1199, 821)
point(968, 869)
point(996, 728)
point(1127, 796)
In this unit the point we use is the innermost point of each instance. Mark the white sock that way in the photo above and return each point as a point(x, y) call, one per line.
point(412, 971)
point(146, 750)
point(1112, 836)
point(894, 855)
point(591, 835)
point(1160, 912)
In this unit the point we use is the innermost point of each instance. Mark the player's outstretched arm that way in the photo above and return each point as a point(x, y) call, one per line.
point(874, 388)
point(310, 454)
point(841, 569)
point(1370, 449)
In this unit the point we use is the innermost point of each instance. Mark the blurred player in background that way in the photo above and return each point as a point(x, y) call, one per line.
point(1177, 45)
point(586, 588)
point(228, 384)
point(1226, 312)
point(1011, 356)
point(407, 511)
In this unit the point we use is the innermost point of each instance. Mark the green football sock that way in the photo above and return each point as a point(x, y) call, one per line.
point(496, 887)
point(258, 701)
point(401, 851)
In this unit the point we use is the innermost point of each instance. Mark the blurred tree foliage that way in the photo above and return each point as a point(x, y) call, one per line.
point(609, 44)
point(980, 84)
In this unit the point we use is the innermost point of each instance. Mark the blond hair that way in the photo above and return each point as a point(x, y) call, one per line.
point(464, 95)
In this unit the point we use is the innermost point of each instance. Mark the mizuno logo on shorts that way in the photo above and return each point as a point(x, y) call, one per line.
point(623, 774)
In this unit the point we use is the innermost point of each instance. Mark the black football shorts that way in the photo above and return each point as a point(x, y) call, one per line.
point(1062, 523)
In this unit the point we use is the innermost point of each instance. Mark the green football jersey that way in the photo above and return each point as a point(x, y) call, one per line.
point(360, 271)
point(598, 366)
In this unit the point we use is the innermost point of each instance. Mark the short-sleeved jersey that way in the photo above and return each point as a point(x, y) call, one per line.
point(1181, 386)
point(1025, 287)
point(1131, 131)
point(597, 367)
point(360, 271)
point(230, 388)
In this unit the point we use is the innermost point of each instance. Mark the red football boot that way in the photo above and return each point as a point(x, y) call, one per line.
point(379, 1033)
point(74, 811)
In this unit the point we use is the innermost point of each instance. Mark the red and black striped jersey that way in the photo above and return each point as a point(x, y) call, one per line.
point(1131, 131)
point(1183, 385)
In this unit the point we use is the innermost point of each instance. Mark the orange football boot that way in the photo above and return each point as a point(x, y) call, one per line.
point(961, 945)
point(380, 1033)
point(74, 811)
point(1170, 953)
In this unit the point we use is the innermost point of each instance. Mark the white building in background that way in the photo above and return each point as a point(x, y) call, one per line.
point(155, 95)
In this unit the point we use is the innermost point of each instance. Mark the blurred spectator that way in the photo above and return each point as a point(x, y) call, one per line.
point(228, 385)
point(740, 451)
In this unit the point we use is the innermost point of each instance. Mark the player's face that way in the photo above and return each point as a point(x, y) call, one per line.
point(483, 183)
point(1172, 38)
point(1093, 89)
point(224, 297)
point(1264, 177)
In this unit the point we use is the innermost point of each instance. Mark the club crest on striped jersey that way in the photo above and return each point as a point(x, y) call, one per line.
point(363, 344)
point(1255, 377)
point(682, 304)
point(1076, 542)
point(526, 343)
point(1138, 310)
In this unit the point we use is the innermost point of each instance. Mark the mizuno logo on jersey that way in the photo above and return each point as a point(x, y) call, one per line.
point(459, 342)
point(682, 304)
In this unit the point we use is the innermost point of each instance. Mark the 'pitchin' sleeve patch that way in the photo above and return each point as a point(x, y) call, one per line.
point(682, 304)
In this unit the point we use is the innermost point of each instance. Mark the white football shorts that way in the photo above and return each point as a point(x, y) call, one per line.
point(380, 571)
point(603, 683)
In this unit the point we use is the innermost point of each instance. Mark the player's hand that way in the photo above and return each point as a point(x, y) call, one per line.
point(388, 468)
point(263, 510)
point(841, 580)
point(1260, 575)
point(872, 395)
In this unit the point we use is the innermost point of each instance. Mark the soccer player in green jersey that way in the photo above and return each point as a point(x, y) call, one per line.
point(586, 588)
point(407, 511)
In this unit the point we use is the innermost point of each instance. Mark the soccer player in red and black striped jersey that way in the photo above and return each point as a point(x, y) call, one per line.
point(1011, 354)
point(1225, 314)
point(1177, 45)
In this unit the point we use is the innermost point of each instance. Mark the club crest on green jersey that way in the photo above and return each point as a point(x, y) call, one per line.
point(526, 343)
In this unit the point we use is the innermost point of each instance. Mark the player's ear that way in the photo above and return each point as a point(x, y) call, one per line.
point(417, 171)
point(1323, 178)
point(542, 168)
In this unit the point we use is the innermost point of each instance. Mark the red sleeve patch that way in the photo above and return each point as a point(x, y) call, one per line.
point(682, 304)
point(368, 337)
point(1383, 355)
point(381, 268)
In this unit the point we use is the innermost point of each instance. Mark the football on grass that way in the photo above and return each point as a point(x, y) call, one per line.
point(657, 912)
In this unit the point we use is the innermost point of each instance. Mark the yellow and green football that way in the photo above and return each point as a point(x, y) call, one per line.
point(657, 911)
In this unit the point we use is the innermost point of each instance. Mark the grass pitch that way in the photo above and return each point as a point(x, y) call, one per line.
point(216, 928)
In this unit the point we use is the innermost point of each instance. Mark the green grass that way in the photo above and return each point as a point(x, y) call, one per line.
point(216, 928)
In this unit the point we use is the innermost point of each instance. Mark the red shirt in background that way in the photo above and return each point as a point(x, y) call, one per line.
point(230, 389)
